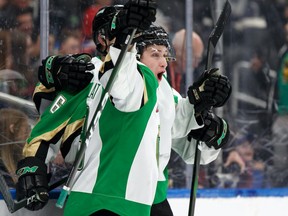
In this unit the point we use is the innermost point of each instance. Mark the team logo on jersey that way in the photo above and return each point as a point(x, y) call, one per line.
point(58, 103)
point(93, 91)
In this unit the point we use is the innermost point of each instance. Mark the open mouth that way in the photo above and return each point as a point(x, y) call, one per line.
point(159, 76)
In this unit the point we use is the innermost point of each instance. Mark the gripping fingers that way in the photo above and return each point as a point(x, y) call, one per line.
point(144, 3)
point(219, 88)
point(81, 67)
point(146, 8)
point(218, 82)
point(42, 195)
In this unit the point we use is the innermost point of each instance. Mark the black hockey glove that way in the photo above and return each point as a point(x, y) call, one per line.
point(214, 133)
point(32, 179)
point(210, 90)
point(137, 14)
point(69, 72)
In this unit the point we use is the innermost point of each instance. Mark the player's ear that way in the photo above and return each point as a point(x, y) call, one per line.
point(101, 38)
point(11, 128)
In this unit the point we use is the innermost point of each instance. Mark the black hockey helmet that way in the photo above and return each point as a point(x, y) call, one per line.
point(101, 22)
point(155, 35)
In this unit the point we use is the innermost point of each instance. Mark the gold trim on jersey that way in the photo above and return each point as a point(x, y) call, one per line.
point(41, 88)
point(30, 149)
point(71, 128)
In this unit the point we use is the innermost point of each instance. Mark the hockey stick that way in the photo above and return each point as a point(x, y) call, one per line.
point(86, 134)
point(212, 42)
point(14, 205)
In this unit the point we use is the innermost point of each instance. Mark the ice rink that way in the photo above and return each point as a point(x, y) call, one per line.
point(236, 202)
point(256, 206)
point(226, 202)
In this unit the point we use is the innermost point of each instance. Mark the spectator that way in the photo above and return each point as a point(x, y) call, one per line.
point(21, 49)
point(177, 68)
point(257, 103)
point(5, 50)
point(24, 20)
point(70, 43)
point(243, 163)
point(35, 49)
point(254, 104)
point(6, 20)
point(15, 56)
point(14, 130)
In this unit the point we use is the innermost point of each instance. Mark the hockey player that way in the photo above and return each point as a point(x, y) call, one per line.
point(154, 50)
point(159, 76)
point(74, 74)
point(212, 130)
point(119, 172)
point(156, 36)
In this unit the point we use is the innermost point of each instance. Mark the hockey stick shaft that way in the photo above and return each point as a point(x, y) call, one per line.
point(4, 189)
point(13, 205)
point(212, 42)
point(217, 32)
point(87, 134)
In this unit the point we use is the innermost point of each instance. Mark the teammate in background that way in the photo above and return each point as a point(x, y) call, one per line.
point(122, 148)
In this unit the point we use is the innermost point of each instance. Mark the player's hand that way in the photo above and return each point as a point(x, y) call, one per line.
point(69, 72)
point(136, 14)
point(210, 90)
point(32, 179)
point(214, 133)
point(140, 13)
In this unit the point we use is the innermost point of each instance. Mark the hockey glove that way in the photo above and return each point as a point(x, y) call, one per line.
point(69, 72)
point(137, 14)
point(32, 179)
point(210, 90)
point(214, 133)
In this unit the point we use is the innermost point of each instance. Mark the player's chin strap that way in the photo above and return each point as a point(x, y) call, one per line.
point(86, 134)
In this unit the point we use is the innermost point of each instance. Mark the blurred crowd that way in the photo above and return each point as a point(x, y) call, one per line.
point(254, 56)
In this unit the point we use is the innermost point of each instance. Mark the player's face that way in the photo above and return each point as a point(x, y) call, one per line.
point(155, 57)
